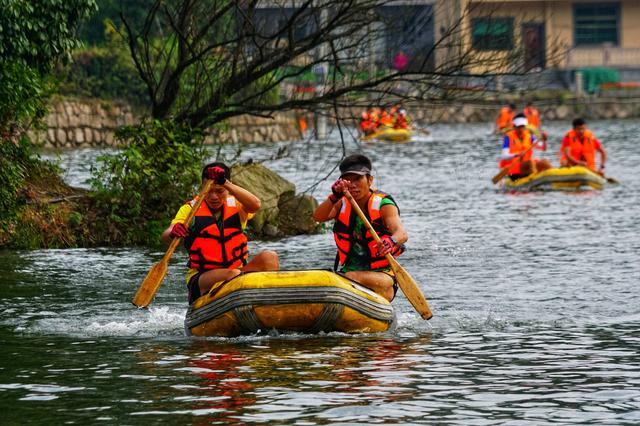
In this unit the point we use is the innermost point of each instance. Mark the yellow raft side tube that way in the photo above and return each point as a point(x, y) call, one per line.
point(390, 135)
point(294, 301)
point(562, 178)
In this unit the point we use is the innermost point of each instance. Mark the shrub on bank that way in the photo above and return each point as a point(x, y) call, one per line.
point(144, 184)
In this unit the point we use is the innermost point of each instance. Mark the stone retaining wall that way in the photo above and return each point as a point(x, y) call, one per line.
point(590, 109)
point(75, 123)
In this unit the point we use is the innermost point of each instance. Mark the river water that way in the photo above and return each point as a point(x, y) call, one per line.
point(535, 299)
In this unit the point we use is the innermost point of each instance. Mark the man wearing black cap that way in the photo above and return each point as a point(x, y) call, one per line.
point(359, 257)
point(215, 238)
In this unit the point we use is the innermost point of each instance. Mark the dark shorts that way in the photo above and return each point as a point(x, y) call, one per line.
point(395, 283)
point(193, 288)
point(516, 177)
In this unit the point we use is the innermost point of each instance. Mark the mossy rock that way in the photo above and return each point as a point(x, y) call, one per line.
point(296, 214)
point(265, 184)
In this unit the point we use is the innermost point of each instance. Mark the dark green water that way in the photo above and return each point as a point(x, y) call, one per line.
point(535, 296)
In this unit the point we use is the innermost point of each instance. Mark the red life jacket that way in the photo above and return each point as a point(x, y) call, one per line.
point(584, 149)
point(213, 247)
point(344, 227)
point(516, 146)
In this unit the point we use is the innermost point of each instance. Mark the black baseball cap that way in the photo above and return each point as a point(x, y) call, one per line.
point(355, 163)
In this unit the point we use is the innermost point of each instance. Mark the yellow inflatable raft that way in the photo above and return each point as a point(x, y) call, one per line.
point(563, 178)
point(289, 301)
point(390, 135)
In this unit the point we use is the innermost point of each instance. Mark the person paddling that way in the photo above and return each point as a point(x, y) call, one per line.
point(579, 147)
point(215, 239)
point(517, 150)
point(359, 257)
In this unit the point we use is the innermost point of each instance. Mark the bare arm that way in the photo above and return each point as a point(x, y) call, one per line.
point(573, 160)
point(330, 207)
point(603, 157)
point(392, 221)
point(250, 202)
point(166, 237)
point(327, 210)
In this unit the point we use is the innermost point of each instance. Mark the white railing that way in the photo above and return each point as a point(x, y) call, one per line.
point(603, 57)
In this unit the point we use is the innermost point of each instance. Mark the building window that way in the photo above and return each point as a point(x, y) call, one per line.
point(492, 33)
point(596, 23)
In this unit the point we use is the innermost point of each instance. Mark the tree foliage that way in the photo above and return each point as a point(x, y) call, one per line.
point(141, 186)
point(33, 37)
point(104, 72)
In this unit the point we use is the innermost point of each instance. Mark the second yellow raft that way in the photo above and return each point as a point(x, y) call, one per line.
point(562, 178)
point(389, 135)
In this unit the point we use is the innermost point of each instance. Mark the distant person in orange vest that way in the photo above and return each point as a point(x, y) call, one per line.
point(579, 148)
point(505, 118)
point(367, 126)
point(516, 152)
point(385, 119)
point(533, 115)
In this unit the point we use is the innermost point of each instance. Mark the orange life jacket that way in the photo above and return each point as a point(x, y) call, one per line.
point(516, 146)
point(584, 150)
point(385, 119)
point(213, 247)
point(367, 126)
point(505, 117)
point(344, 227)
point(533, 116)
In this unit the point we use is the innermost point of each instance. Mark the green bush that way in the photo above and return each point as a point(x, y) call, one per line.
point(16, 162)
point(140, 188)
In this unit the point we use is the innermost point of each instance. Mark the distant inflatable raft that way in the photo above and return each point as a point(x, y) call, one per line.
point(557, 179)
point(289, 301)
point(390, 135)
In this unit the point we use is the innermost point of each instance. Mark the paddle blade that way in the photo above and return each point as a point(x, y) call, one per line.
point(497, 178)
point(410, 289)
point(150, 285)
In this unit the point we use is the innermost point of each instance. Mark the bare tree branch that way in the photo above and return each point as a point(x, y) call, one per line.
point(216, 59)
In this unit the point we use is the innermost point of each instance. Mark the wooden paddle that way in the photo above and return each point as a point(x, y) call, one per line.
point(422, 130)
point(609, 179)
point(406, 282)
point(505, 170)
point(156, 274)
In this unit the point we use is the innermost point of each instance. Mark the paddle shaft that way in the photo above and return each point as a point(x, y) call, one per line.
point(150, 285)
point(406, 282)
point(423, 131)
point(505, 170)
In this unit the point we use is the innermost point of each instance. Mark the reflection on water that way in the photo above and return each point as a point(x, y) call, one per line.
point(534, 295)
